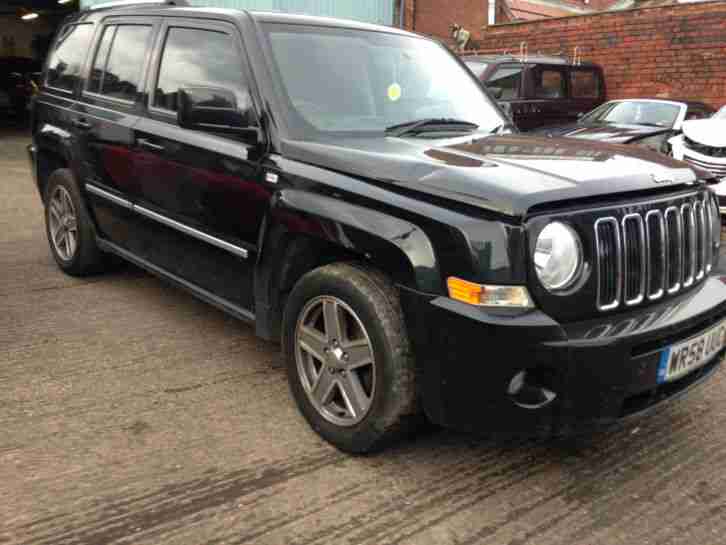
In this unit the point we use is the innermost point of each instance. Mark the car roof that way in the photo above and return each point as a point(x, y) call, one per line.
point(675, 101)
point(529, 59)
point(238, 14)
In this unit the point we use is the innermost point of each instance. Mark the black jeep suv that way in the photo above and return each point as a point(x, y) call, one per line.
point(414, 256)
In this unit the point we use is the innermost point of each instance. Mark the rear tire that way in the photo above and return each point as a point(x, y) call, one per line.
point(69, 229)
point(368, 397)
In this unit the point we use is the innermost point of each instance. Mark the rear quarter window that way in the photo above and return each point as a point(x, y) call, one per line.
point(584, 84)
point(548, 83)
point(68, 55)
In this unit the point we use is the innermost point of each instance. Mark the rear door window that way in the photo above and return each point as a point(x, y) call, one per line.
point(69, 53)
point(119, 62)
point(548, 83)
point(508, 78)
point(584, 84)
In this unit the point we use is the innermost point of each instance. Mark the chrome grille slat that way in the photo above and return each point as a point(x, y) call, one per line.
point(709, 207)
point(609, 263)
point(674, 229)
point(659, 252)
point(634, 258)
point(701, 243)
point(689, 244)
point(655, 249)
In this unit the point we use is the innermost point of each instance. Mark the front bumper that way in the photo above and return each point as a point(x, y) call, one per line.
point(600, 370)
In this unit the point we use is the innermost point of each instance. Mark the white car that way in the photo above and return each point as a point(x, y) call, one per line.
point(703, 144)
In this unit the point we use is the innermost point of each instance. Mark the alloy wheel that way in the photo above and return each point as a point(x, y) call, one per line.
point(335, 360)
point(63, 223)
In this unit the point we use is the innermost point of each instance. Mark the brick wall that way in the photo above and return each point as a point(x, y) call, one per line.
point(676, 51)
point(433, 17)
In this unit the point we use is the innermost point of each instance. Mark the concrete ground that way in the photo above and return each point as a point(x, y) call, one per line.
point(132, 413)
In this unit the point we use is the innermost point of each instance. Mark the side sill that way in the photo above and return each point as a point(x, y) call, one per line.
point(206, 296)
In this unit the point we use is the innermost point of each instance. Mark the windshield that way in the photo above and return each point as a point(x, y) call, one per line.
point(721, 114)
point(634, 112)
point(340, 81)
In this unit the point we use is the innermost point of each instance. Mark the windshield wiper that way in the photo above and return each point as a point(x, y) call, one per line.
point(430, 123)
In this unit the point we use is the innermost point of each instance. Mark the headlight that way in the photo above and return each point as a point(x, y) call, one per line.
point(558, 256)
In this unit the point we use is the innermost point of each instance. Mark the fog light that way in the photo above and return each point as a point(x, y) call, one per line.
point(525, 391)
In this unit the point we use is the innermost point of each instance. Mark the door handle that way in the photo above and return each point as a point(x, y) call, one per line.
point(146, 144)
point(81, 124)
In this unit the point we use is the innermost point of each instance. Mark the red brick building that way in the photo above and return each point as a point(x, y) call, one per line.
point(676, 50)
point(433, 17)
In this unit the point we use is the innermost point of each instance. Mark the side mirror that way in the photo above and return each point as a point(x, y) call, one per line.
point(496, 92)
point(580, 114)
point(215, 110)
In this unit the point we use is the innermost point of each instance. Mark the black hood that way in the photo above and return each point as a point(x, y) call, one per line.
point(508, 174)
point(602, 132)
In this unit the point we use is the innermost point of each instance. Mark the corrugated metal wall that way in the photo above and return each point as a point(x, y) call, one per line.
point(371, 11)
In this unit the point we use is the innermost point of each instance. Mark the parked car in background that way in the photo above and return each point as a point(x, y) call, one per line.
point(16, 74)
point(645, 122)
point(410, 257)
point(703, 144)
point(540, 90)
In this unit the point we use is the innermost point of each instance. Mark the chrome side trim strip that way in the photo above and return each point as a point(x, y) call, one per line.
point(109, 196)
point(204, 237)
point(209, 239)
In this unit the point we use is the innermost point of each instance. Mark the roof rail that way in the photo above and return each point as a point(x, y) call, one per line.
point(122, 3)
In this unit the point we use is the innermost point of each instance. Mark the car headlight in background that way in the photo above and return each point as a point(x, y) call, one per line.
point(558, 256)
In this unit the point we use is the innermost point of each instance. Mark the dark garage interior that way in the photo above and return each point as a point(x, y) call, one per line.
point(26, 29)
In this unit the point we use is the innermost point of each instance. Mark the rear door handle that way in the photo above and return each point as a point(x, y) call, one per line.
point(81, 124)
point(146, 144)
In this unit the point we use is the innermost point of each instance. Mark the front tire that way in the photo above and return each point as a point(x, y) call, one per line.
point(69, 229)
point(349, 362)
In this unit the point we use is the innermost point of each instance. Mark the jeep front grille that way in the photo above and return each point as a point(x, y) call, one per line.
point(643, 257)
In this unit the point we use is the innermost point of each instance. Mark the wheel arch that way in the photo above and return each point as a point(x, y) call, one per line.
point(48, 162)
point(305, 230)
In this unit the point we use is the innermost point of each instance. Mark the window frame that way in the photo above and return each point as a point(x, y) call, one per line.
point(81, 75)
point(212, 25)
point(153, 23)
